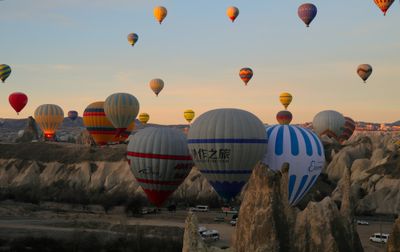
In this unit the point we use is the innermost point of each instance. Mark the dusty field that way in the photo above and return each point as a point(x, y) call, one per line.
point(365, 231)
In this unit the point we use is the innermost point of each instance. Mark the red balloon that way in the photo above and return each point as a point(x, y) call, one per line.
point(284, 117)
point(18, 101)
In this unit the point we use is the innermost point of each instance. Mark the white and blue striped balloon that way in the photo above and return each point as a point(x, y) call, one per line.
point(302, 150)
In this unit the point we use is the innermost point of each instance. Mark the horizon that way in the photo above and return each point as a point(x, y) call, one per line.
point(73, 53)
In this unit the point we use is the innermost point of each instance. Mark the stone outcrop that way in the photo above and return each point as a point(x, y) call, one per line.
point(394, 238)
point(31, 132)
point(267, 223)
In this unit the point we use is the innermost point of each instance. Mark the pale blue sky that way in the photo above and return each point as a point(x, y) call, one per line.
point(75, 52)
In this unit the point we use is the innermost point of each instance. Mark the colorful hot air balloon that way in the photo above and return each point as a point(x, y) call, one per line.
point(232, 12)
point(132, 38)
point(5, 71)
point(225, 145)
point(285, 99)
point(49, 117)
point(189, 115)
point(364, 71)
point(384, 5)
point(307, 13)
point(160, 13)
point(18, 101)
point(246, 74)
point(349, 127)
point(302, 150)
point(121, 109)
point(160, 161)
point(156, 85)
point(97, 124)
point(330, 123)
point(72, 115)
point(125, 135)
point(284, 117)
point(144, 118)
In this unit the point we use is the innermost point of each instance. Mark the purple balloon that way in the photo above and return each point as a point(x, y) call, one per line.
point(307, 13)
point(72, 115)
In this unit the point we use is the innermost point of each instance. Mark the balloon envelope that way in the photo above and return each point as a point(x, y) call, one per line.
point(246, 74)
point(384, 5)
point(5, 71)
point(364, 71)
point(349, 127)
point(18, 101)
point(160, 161)
point(49, 117)
point(302, 150)
point(132, 38)
point(121, 109)
point(330, 123)
point(156, 85)
point(307, 13)
point(232, 12)
point(225, 145)
point(160, 13)
point(144, 118)
point(285, 99)
point(72, 115)
point(189, 115)
point(284, 117)
point(97, 124)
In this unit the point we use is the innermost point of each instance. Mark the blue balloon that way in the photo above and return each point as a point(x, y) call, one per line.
point(72, 115)
point(307, 13)
point(302, 150)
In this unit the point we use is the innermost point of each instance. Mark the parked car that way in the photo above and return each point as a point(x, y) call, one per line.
point(199, 208)
point(210, 235)
point(379, 237)
point(202, 230)
point(233, 222)
point(362, 222)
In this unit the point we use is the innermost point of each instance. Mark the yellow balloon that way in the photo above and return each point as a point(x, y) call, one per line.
point(156, 85)
point(49, 117)
point(285, 99)
point(144, 118)
point(189, 115)
point(160, 12)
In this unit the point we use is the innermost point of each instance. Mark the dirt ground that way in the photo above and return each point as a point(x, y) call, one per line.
point(58, 224)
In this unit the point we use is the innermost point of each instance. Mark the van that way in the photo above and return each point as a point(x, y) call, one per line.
point(210, 235)
point(199, 208)
point(379, 237)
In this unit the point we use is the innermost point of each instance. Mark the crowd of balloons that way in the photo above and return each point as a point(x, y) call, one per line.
point(225, 144)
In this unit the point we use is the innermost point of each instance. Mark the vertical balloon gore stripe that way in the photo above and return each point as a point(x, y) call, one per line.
point(311, 183)
point(292, 182)
point(300, 188)
point(294, 142)
point(317, 143)
point(279, 141)
point(309, 149)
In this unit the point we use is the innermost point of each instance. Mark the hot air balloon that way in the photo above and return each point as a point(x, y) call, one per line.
point(49, 117)
point(364, 71)
point(125, 135)
point(232, 12)
point(302, 150)
point(307, 13)
point(349, 127)
point(246, 74)
point(5, 71)
point(225, 145)
point(132, 38)
point(285, 99)
point(160, 161)
point(330, 123)
point(189, 115)
point(144, 118)
point(284, 117)
point(160, 13)
point(156, 85)
point(18, 101)
point(72, 115)
point(121, 109)
point(384, 5)
point(97, 124)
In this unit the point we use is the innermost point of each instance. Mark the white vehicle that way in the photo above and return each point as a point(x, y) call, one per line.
point(199, 208)
point(201, 230)
point(378, 237)
point(210, 235)
point(362, 222)
point(233, 222)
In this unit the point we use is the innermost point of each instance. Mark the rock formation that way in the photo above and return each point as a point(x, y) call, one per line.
point(192, 241)
point(31, 132)
point(394, 238)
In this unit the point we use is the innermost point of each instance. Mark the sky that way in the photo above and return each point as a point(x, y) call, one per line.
point(75, 52)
